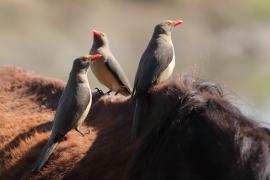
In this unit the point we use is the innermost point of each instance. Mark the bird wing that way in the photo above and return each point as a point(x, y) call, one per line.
point(116, 69)
point(71, 106)
point(154, 61)
point(163, 57)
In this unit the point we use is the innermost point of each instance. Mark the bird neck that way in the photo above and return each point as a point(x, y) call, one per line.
point(157, 34)
point(165, 37)
point(78, 76)
point(103, 50)
point(100, 49)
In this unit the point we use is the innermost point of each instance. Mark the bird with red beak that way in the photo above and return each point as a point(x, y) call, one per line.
point(107, 69)
point(156, 65)
point(73, 107)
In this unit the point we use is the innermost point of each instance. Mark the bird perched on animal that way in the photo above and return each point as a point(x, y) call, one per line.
point(73, 107)
point(156, 65)
point(107, 69)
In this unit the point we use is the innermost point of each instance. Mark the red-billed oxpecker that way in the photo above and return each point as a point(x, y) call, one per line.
point(156, 65)
point(73, 107)
point(107, 69)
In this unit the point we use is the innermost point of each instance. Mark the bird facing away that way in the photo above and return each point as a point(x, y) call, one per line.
point(107, 69)
point(72, 109)
point(156, 65)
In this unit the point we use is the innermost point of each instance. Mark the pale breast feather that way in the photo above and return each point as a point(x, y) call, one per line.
point(167, 72)
point(85, 107)
point(83, 104)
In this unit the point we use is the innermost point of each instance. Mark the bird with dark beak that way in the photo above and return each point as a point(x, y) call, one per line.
point(107, 69)
point(156, 65)
point(73, 107)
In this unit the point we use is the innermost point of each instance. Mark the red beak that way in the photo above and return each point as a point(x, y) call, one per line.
point(178, 22)
point(96, 33)
point(96, 57)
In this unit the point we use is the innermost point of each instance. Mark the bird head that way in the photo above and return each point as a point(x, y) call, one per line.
point(84, 61)
point(167, 26)
point(100, 38)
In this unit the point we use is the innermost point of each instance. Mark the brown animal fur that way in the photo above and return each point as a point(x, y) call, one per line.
point(191, 132)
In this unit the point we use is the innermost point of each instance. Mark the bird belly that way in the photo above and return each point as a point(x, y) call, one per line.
point(167, 72)
point(85, 113)
point(104, 75)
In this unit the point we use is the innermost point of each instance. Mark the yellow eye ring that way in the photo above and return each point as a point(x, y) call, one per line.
point(86, 57)
point(170, 22)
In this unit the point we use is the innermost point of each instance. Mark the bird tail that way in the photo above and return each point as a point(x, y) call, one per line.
point(137, 116)
point(45, 154)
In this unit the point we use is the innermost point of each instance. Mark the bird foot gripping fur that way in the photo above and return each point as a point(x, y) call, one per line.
point(108, 93)
point(82, 133)
point(101, 93)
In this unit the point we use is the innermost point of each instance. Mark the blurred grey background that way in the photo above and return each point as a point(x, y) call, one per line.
point(224, 41)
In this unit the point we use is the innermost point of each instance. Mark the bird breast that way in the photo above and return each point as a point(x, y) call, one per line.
point(105, 76)
point(168, 71)
point(87, 109)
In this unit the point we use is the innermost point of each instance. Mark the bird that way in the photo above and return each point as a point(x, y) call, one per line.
point(107, 69)
point(156, 65)
point(72, 109)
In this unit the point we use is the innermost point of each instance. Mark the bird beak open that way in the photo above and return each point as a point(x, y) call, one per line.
point(96, 57)
point(177, 22)
point(98, 33)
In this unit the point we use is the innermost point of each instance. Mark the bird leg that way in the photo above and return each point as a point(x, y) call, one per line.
point(99, 91)
point(81, 133)
point(108, 93)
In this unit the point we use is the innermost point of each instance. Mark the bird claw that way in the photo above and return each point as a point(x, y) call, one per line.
point(101, 93)
point(108, 93)
point(81, 133)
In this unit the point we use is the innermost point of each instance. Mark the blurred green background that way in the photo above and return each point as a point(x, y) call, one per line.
point(224, 41)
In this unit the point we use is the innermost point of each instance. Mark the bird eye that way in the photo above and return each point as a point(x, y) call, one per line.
point(86, 57)
point(170, 23)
